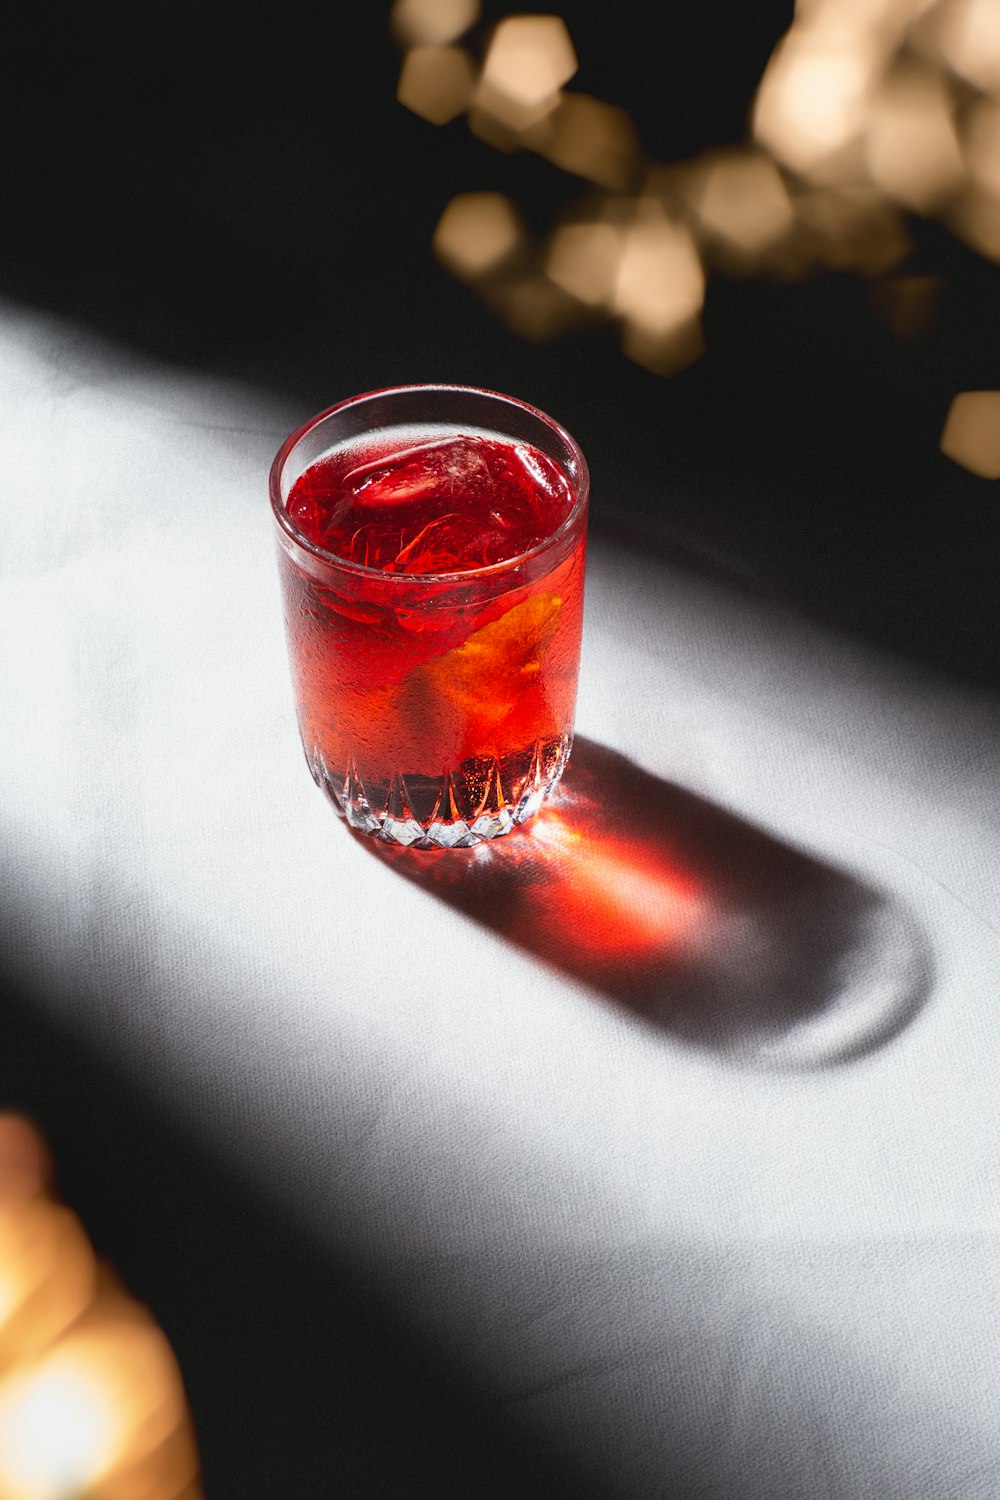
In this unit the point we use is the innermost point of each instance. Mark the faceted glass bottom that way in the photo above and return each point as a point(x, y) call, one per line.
point(481, 799)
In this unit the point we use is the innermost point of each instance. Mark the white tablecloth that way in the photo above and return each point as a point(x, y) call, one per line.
point(718, 1212)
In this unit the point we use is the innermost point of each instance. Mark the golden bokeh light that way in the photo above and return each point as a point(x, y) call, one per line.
point(535, 307)
point(25, 1163)
point(884, 20)
point(494, 110)
point(855, 229)
point(528, 61)
point(658, 291)
point(591, 139)
point(665, 352)
point(437, 83)
point(477, 233)
point(583, 259)
point(869, 113)
point(981, 145)
point(971, 433)
point(911, 144)
point(492, 132)
point(433, 23)
point(47, 1277)
point(742, 207)
point(91, 1402)
point(659, 284)
point(500, 120)
point(976, 219)
point(967, 32)
point(813, 98)
point(107, 1394)
point(59, 1431)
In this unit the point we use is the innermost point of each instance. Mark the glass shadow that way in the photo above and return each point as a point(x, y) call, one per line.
point(694, 920)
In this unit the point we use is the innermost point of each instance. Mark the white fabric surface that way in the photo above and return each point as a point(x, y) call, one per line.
point(760, 1274)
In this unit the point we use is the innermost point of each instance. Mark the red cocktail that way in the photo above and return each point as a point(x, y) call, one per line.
point(431, 546)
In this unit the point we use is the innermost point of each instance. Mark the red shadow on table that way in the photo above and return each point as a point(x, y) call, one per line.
point(696, 921)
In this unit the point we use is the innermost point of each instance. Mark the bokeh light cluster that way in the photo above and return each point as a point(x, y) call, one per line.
point(869, 114)
point(91, 1402)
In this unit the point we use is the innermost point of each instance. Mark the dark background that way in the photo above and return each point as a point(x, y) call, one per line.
point(233, 189)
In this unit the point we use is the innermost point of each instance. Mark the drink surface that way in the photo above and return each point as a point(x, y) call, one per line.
point(430, 694)
point(430, 503)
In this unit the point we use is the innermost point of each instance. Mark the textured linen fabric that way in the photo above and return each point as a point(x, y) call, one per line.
point(728, 1257)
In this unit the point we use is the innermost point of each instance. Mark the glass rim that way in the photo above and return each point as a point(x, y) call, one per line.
point(285, 523)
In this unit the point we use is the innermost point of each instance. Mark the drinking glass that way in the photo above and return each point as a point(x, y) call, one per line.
point(435, 709)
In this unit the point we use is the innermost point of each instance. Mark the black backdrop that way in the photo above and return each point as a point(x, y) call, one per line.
point(233, 188)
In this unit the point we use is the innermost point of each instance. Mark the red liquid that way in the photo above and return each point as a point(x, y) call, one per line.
point(428, 699)
point(441, 505)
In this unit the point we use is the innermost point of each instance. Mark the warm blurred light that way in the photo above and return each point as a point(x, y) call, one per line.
point(742, 206)
point(47, 1276)
point(981, 145)
point(477, 232)
point(583, 259)
point(856, 126)
point(495, 117)
point(105, 1396)
point(976, 219)
point(911, 145)
point(432, 22)
point(971, 433)
point(813, 97)
point(853, 230)
point(658, 292)
point(91, 1402)
point(908, 304)
point(663, 351)
point(535, 307)
point(59, 1431)
point(660, 283)
point(968, 35)
point(436, 83)
point(47, 1268)
point(592, 139)
point(492, 132)
point(887, 19)
point(528, 61)
point(25, 1163)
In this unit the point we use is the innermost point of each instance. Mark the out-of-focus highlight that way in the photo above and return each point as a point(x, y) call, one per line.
point(869, 115)
point(91, 1401)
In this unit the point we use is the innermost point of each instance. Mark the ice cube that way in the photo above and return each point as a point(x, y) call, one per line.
point(536, 483)
point(441, 468)
point(450, 544)
point(374, 544)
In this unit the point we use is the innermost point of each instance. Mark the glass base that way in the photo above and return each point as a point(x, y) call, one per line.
point(482, 799)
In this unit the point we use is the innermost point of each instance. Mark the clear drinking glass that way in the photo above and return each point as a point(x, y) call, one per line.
point(435, 707)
